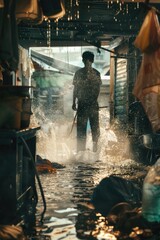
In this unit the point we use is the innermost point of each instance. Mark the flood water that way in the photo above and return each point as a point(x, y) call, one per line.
point(68, 192)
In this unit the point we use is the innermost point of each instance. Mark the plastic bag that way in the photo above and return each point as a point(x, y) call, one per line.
point(151, 194)
point(9, 56)
point(148, 38)
point(53, 9)
point(147, 87)
point(148, 75)
point(113, 190)
point(29, 11)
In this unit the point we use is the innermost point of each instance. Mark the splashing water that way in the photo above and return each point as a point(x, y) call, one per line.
point(57, 143)
point(70, 187)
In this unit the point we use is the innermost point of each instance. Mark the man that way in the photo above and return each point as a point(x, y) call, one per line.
point(86, 83)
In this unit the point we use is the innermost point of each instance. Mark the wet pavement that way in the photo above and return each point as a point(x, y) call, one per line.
point(68, 192)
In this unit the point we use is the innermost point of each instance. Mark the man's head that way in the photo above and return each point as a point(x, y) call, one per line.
point(87, 55)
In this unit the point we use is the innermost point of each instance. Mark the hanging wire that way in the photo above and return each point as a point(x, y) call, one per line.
point(49, 33)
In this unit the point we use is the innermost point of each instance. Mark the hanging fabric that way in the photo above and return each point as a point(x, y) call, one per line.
point(53, 9)
point(30, 11)
point(147, 85)
point(148, 38)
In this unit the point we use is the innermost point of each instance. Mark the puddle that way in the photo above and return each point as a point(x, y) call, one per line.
point(69, 214)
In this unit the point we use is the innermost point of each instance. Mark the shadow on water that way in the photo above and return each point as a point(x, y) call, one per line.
point(70, 214)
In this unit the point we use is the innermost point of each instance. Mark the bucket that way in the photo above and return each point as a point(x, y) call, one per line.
point(10, 112)
point(26, 112)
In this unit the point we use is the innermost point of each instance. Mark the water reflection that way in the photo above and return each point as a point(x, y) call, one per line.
point(68, 192)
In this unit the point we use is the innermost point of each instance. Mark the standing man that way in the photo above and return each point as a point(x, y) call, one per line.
point(86, 83)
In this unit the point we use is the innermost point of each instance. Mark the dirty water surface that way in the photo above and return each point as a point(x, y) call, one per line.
point(68, 192)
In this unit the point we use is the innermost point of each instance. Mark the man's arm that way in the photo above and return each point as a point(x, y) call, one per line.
point(74, 94)
point(74, 98)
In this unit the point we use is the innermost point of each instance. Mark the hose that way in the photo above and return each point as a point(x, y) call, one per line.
point(37, 177)
point(74, 120)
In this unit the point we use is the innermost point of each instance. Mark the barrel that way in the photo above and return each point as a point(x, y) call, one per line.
point(26, 112)
point(10, 112)
point(11, 106)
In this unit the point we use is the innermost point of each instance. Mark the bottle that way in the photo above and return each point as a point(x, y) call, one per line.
point(151, 194)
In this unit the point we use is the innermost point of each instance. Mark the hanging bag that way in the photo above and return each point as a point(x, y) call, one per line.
point(147, 87)
point(53, 8)
point(1, 14)
point(148, 38)
point(9, 57)
point(30, 11)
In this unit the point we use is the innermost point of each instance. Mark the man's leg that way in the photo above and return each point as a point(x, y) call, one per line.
point(81, 130)
point(94, 123)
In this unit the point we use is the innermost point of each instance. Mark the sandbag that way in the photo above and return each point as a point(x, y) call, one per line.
point(53, 8)
point(30, 11)
point(113, 190)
